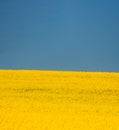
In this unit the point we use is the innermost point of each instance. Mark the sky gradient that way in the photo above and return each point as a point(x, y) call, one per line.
point(75, 35)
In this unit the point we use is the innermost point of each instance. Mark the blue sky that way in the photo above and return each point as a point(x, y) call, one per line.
point(75, 35)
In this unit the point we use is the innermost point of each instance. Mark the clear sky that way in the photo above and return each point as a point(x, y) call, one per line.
point(75, 35)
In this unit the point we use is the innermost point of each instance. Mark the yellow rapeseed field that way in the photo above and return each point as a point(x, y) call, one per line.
point(57, 100)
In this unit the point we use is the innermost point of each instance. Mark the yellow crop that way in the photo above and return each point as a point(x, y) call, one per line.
point(52, 100)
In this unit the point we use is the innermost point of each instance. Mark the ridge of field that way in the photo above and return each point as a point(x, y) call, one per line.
point(57, 100)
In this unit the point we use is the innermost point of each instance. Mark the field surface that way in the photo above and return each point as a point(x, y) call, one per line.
point(52, 100)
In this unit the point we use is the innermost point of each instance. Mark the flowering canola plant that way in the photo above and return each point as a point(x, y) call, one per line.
point(58, 100)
